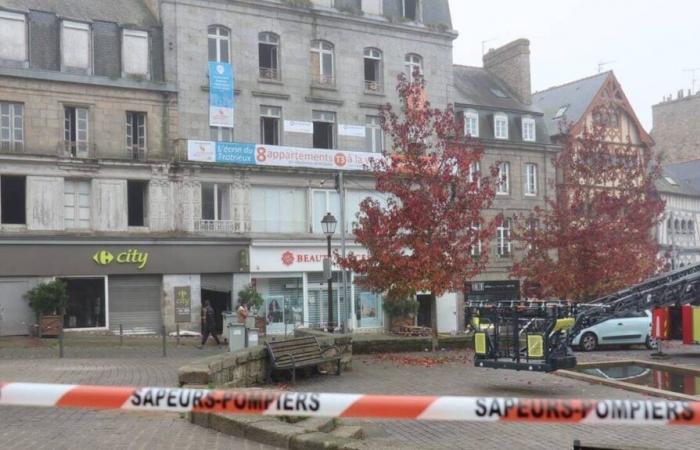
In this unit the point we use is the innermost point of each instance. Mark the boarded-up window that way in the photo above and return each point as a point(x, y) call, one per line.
point(75, 45)
point(13, 36)
point(135, 52)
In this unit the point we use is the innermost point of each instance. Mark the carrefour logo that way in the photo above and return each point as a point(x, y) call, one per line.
point(131, 256)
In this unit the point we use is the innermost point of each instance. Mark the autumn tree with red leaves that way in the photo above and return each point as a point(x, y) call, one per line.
point(596, 237)
point(421, 240)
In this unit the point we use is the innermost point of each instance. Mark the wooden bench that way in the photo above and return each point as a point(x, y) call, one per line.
point(292, 354)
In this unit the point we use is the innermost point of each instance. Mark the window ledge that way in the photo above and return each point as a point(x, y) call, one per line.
point(530, 195)
point(324, 87)
point(375, 93)
point(271, 81)
point(13, 227)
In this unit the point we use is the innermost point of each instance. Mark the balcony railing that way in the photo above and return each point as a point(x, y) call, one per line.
point(136, 153)
point(373, 86)
point(217, 226)
point(11, 147)
point(72, 149)
point(323, 80)
point(268, 73)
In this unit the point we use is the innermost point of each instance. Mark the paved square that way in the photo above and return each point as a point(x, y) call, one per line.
point(375, 375)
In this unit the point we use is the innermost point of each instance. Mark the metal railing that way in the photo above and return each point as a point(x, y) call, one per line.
point(323, 80)
point(217, 226)
point(373, 86)
point(11, 147)
point(268, 73)
point(73, 149)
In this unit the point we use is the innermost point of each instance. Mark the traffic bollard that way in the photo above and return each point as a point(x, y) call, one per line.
point(164, 337)
point(60, 343)
point(121, 335)
point(177, 334)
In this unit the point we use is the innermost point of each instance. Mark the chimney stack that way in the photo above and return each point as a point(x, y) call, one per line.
point(511, 65)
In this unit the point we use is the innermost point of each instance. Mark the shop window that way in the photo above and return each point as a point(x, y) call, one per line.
point(324, 129)
point(368, 307)
point(75, 134)
point(324, 201)
point(373, 70)
point(374, 135)
point(268, 56)
point(222, 134)
point(86, 303)
point(137, 202)
point(219, 44)
point(136, 135)
point(76, 47)
point(13, 199)
point(13, 36)
point(283, 304)
point(76, 205)
point(270, 119)
point(278, 210)
point(323, 63)
point(11, 127)
point(216, 202)
point(135, 53)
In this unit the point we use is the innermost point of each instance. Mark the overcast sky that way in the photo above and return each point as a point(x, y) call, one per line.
point(647, 43)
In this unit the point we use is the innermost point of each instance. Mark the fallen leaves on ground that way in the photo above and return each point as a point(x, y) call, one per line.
point(431, 360)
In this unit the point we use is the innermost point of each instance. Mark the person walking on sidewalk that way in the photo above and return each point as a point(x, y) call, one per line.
point(209, 324)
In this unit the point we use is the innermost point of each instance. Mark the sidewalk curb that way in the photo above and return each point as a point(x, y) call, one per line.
point(311, 433)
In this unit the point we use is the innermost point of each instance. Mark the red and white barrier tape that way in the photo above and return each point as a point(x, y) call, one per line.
point(488, 409)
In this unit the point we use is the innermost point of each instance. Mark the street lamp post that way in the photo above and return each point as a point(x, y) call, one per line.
point(328, 225)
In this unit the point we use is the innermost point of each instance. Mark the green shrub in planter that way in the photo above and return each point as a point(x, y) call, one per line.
point(251, 297)
point(400, 307)
point(48, 298)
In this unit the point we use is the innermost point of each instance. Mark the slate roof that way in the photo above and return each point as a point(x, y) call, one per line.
point(126, 12)
point(576, 96)
point(475, 86)
point(686, 174)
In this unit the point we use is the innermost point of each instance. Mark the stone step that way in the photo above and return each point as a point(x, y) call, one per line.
point(348, 432)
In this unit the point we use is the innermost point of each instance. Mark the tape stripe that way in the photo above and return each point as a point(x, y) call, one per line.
point(386, 406)
point(482, 409)
point(95, 397)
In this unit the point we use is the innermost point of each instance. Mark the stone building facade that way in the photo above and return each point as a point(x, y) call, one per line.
point(675, 128)
point(86, 186)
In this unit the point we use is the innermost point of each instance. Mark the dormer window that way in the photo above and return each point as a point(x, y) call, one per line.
point(500, 126)
point(410, 9)
point(135, 53)
point(76, 47)
point(13, 37)
point(529, 133)
point(471, 123)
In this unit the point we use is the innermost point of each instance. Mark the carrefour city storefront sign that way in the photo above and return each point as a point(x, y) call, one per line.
point(274, 155)
point(131, 256)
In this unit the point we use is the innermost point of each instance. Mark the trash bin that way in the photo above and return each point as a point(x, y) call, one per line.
point(236, 332)
point(252, 337)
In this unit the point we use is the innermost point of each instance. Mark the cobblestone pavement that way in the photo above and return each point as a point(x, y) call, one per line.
point(375, 375)
point(138, 363)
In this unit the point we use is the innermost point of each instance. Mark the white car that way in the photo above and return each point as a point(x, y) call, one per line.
point(629, 328)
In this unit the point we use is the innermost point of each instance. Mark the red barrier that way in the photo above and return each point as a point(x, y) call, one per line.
point(687, 318)
point(660, 323)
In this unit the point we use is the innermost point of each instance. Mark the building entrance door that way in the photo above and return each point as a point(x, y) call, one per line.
point(425, 311)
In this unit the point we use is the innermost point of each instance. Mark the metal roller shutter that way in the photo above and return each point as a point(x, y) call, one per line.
point(15, 315)
point(134, 302)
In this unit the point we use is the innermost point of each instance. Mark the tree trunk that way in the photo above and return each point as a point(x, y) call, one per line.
point(433, 320)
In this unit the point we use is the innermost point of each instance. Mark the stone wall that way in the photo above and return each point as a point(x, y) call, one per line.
point(675, 129)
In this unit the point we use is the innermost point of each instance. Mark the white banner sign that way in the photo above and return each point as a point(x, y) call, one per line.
point(272, 155)
point(204, 151)
point(296, 126)
point(293, 259)
point(351, 130)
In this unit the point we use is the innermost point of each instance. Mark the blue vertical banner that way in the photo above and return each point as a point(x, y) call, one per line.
point(221, 96)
